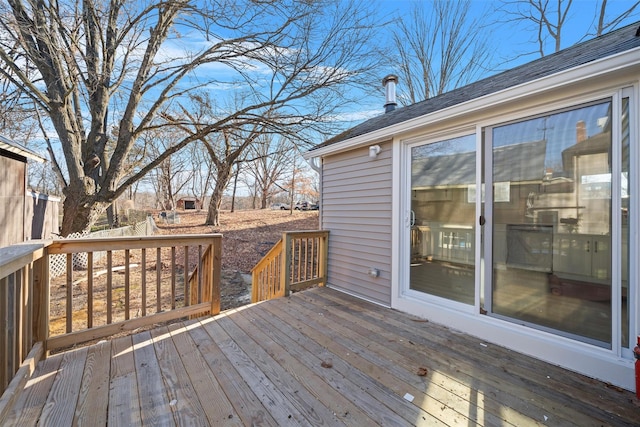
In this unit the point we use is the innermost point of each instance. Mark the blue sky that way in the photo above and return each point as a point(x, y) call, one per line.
point(511, 38)
point(510, 41)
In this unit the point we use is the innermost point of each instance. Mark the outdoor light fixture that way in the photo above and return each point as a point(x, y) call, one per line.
point(374, 150)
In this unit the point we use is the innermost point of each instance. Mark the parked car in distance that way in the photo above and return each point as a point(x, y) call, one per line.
point(306, 206)
point(302, 206)
point(281, 206)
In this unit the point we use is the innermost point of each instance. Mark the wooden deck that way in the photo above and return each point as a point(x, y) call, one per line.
point(316, 358)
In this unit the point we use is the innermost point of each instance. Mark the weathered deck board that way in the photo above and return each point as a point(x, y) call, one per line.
point(215, 404)
point(317, 358)
point(154, 400)
point(276, 402)
point(240, 394)
point(405, 361)
point(29, 405)
point(546, 388)
point(310, 408)
point(124, 403)
point(94, 392)
point(388, 407)
point(60, 406)
point(386, 366)
point(449, 377)
point(322, 383)
point(183, 401)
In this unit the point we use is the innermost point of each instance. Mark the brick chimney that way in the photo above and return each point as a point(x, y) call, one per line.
point(581, 131)
point(389, 84)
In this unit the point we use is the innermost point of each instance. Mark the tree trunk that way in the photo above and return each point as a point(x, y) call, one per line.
point(235, 186)
point(80, 208)
point(213, 214)
point(112, 215)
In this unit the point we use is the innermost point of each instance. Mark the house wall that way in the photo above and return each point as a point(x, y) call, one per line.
point(356, 207)
point(12, 190)
point(347, 170)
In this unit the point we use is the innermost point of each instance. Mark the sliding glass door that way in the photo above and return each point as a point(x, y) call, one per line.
point(554, 206)
point(551, 228)
point(442, 231)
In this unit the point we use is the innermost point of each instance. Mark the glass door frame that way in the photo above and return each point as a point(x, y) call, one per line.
point(411, 301)
point(616, 167)
point(406, 218)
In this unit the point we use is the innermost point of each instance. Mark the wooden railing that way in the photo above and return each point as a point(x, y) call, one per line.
point(141, 281)
point(297, 261)
point(23, 293)
point(109, 285)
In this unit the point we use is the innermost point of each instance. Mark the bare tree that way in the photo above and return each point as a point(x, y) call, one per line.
point(236, 177)
point(605, 23)
point(546, 20)
point(204, 171)
point(269, 161)
point(440, 46)
point(306, 185)
point(121, 63)
point(173, 174)
point(298, 183)
point(226, 150)
point(20, 122)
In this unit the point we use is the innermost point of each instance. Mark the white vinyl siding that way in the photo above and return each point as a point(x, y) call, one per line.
point(356, 209)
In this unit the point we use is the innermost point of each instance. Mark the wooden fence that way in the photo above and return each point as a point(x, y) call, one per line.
point(297, 261)
point(140, 281)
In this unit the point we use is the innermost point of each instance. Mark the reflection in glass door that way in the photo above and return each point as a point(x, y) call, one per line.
point(551, 228)
point(442, 238)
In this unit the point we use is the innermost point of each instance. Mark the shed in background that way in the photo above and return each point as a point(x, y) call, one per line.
point(24, 215)
point(189, 203)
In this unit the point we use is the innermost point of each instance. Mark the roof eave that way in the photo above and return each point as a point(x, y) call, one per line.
point(8, 145)
point(610, 64)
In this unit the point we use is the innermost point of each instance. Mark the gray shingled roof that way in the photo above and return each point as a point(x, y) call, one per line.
point(601, 47)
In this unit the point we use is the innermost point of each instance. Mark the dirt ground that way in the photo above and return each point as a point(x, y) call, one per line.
point(247, 236)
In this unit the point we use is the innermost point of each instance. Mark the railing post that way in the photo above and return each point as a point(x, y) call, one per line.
point(323, 253)
point(254, 285)
point(41, 300)
point(216, 265)
point(285, 273)
point(5, 348)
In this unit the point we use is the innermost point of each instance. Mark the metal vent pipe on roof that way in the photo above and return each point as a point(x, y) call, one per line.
point(389, 84)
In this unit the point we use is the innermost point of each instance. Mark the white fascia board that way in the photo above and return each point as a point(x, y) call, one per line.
point(8, 145)
point(608, 65)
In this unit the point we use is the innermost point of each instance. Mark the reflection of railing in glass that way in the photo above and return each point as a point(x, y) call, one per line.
point(447, 243)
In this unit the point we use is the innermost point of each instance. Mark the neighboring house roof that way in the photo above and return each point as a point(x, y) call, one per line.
point(617, 41)
point(13, 147)
point(452, 170)
point(597, 144)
